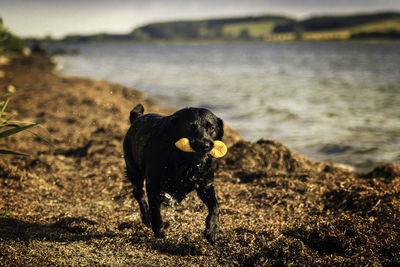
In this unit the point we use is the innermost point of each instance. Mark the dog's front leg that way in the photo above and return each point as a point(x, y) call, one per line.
point(155, 203)
point(207, 195)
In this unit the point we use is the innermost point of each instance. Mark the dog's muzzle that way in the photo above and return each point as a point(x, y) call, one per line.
point(202, 145)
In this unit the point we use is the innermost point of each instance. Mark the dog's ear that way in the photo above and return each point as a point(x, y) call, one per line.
point(220, 132)
point(136, 112)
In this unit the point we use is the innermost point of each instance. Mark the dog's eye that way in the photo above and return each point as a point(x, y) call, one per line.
point(208, 125)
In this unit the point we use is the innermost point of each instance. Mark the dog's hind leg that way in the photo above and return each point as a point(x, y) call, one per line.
point(137, 179)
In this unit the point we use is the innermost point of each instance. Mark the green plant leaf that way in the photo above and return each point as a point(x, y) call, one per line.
point(41, 138)
point(4, 106)
point(19, 122)
point(11, 124)
point(16, 130)
point(5, 151)
point(4, 123)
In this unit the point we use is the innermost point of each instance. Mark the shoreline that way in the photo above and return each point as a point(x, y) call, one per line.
point(71, 204)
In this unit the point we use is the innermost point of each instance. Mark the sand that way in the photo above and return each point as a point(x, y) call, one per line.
point(70, 204)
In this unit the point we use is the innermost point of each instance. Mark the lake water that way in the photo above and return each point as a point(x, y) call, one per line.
point(338, 102)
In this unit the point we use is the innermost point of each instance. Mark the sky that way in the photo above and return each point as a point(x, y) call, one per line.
point(57, 18)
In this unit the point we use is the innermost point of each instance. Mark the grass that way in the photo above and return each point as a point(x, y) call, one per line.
point(254, 30)
point(327, 35)
point(380, 26)
point(9, 128)
point(264, 30)
point(383, 26)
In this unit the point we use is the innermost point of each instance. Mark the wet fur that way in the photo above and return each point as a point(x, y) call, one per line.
point(151, 156)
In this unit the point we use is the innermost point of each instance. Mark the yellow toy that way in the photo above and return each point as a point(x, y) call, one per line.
point(218, 151)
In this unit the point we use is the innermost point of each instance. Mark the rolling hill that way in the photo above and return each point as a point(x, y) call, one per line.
point(262, 28)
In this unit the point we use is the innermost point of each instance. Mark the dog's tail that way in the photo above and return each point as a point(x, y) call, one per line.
point(136, 112)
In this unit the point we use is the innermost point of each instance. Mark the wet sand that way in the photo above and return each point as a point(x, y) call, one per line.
point(70, 204)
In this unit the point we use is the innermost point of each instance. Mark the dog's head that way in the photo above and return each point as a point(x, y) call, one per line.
point(199, 125)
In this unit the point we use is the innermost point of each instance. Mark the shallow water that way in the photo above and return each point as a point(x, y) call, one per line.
point(330, 101)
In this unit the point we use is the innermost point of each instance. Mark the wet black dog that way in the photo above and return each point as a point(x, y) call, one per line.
point(150, 154)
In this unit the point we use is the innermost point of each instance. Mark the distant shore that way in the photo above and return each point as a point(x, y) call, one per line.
point(382, 26)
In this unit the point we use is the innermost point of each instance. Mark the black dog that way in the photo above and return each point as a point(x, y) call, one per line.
point(150, 154)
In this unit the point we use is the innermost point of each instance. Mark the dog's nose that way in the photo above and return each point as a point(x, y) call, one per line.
point(203, 146)
point(208, 145)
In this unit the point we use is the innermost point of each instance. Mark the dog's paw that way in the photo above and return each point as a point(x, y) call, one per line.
point(159, 234)
point(211, 235)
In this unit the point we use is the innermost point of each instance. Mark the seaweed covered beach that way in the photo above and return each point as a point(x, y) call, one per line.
point(70, 203)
